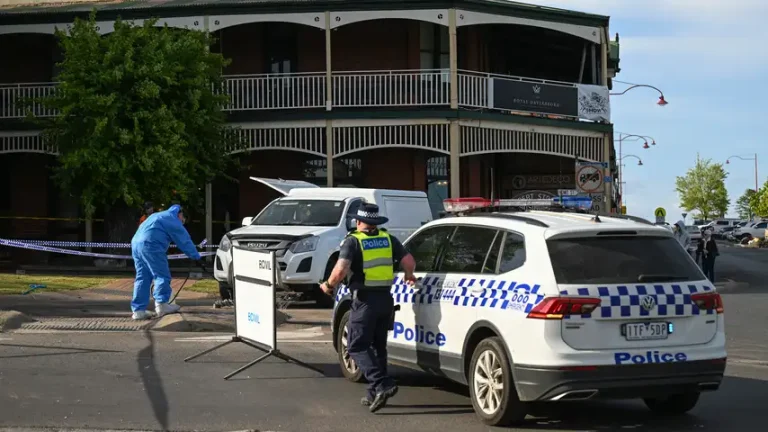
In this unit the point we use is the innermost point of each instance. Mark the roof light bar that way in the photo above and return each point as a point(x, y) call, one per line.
point(457, 205)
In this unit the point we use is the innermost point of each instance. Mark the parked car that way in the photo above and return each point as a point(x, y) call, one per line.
point(305, 229)
point(750, 231)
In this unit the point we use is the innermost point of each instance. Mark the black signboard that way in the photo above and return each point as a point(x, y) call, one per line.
point(535, 97)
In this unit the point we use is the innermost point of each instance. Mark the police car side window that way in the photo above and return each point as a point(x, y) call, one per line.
point(513, 254)
point(426, 246)
point(467, 250)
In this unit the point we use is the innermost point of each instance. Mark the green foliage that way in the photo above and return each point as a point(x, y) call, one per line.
point(703, 189)
point(139, 115)
point(744, 205)
point(759, 201)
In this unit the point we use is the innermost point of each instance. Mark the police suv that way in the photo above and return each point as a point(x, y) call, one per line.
point(552, 305)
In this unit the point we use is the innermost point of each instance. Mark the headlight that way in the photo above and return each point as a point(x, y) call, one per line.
point(304, 245)
point(225, 245)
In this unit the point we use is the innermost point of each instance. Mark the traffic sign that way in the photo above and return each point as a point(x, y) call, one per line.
point(589, 178)
point(660, 214)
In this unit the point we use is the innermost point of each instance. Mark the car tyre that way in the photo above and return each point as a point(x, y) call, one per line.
point(492, 387)
point(676, 404)
point(348, 367)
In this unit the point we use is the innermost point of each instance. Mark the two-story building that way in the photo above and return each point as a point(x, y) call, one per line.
point(453, 97)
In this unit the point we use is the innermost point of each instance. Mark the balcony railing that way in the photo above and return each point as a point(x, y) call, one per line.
point(371, 89)
point(404, 88)
point(13, 96)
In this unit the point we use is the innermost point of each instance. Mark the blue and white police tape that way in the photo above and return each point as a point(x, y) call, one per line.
point(94, 245)
point(22, 245)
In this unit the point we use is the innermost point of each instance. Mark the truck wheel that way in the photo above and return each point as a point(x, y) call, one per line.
point(491, 386)
point(348, 366)
point(672, 405)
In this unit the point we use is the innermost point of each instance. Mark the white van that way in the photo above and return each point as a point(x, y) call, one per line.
point(305, 228)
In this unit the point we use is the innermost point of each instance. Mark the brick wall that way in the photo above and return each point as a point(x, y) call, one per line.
point(376, 45)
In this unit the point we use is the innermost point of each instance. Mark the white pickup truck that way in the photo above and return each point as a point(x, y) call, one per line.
point(305, 228)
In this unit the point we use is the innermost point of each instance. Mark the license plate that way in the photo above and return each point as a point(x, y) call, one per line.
point(646, 331)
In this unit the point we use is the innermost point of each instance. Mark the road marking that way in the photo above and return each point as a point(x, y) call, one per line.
point(5, 339)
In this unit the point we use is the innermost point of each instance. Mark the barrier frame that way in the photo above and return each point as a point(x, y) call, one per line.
point(269, 351)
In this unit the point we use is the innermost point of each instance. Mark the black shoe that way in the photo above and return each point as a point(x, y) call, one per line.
point(380, 401)
point(366, 401)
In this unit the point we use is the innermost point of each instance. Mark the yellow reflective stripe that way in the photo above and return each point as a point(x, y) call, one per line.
point(376, 262)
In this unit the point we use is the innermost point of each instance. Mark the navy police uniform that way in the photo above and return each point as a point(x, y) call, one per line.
point(372, 257)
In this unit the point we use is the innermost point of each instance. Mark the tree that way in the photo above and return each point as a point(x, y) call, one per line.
point(703, 189)
point(140, 118)
point(744, 205)
point(759, 201)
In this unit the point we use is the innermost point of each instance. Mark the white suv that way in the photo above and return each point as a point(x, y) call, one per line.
point(553, 306)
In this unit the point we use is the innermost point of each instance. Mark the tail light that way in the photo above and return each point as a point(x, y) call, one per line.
point(708, 301)
point(559, 307)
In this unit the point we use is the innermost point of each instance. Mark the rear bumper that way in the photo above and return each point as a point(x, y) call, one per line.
point(617, 382)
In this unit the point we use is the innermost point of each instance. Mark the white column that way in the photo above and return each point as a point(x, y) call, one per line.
point(209, 215)
point(328, 102)
point(607, 148)
point(455, 143)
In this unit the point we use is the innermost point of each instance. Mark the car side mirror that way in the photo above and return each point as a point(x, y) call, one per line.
point(351, 224)
point(247, 221)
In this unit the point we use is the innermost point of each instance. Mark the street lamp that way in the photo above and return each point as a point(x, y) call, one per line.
point(661, 101)
point(622, 137)
point(623, 182)
point(639, 161)
point(728, 161)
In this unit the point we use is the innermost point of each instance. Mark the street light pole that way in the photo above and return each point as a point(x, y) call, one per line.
point(622, 137)
point(661, 101)
point(757, 183)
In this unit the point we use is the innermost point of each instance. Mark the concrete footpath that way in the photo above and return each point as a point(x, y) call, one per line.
point(108, 309)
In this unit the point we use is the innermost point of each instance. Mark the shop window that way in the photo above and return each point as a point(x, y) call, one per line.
point(437, 183)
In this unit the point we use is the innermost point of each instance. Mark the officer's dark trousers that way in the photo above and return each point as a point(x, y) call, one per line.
point(368, 327)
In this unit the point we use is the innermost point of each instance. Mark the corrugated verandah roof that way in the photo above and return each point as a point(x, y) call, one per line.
point(43, 11)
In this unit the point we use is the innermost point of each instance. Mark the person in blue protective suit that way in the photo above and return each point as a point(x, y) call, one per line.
point(149, 248)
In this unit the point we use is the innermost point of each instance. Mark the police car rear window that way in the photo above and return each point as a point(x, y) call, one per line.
point(621, 260)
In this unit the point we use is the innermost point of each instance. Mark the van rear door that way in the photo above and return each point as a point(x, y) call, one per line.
point(650, 292)
point(284, 186)
point(406, 214)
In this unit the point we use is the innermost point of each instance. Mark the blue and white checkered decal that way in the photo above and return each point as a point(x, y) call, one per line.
point(498, 294)
point(617, 301)
point(625, 300)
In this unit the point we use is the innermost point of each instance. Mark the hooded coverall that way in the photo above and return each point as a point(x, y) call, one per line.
point(149, 247)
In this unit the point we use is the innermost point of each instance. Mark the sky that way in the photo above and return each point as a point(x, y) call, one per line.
point(710, 58)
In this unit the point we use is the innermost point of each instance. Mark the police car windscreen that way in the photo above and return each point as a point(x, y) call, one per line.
point(620, 260)
point(301, 212)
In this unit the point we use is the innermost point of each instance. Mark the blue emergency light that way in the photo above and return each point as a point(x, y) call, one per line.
point(455, 205)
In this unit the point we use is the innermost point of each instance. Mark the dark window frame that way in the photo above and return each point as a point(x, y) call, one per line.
point(440, 250)
point(443, 250)
point(501, 251)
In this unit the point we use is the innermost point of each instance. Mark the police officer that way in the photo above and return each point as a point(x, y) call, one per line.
point(368, 255)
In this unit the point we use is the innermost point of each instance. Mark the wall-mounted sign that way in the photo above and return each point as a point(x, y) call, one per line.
point(544, 181)
point(534, 194)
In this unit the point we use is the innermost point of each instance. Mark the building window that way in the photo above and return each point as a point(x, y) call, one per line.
point(281, 48)
point(437, 183)
point(347, 172)
point(434, 49)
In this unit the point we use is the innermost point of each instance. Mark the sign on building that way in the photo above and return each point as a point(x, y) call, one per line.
point(589, 176)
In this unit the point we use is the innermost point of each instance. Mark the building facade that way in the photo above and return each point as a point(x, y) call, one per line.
point(456, 98)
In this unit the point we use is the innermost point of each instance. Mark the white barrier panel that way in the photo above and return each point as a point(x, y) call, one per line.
point(254, 275)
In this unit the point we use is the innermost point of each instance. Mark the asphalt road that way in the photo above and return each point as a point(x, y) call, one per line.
point(136, 380)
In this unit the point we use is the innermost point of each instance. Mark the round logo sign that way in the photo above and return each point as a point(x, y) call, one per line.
point(589, 179)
